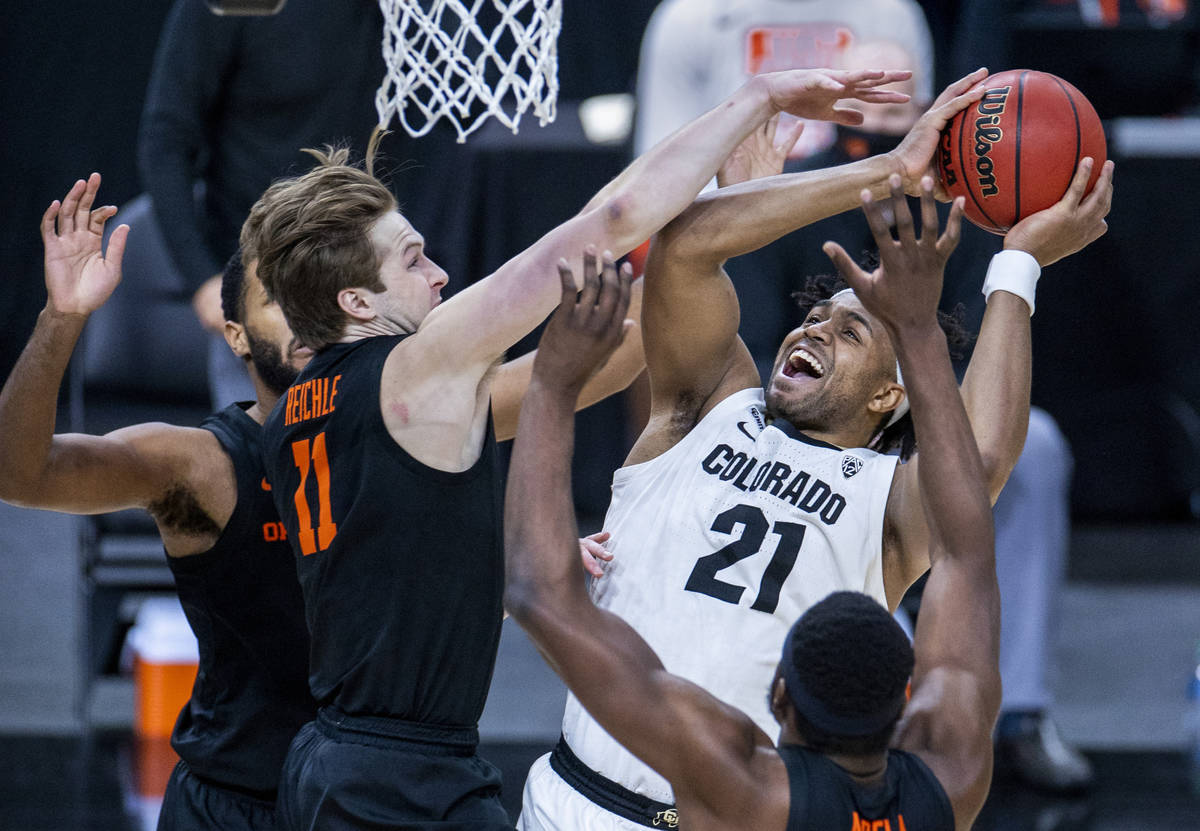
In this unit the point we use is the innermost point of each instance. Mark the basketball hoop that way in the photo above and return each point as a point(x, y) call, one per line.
point(441, 63)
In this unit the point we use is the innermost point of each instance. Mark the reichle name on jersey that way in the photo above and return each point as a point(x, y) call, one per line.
point(798, 488)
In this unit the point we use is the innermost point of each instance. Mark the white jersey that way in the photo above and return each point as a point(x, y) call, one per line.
point(719, 545)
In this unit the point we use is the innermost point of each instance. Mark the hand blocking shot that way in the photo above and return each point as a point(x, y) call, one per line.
point(852, 751)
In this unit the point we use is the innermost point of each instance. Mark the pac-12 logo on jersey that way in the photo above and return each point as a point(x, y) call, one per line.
point(851, 465)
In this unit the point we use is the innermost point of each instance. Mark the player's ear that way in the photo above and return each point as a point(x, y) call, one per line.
point(357, 303)
point(887, 398)
point(235, 336)
point(780, 702)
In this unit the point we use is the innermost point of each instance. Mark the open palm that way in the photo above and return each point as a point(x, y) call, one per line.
point(79, 278)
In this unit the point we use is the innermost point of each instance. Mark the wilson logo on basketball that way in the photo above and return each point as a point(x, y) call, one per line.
point(988, 133)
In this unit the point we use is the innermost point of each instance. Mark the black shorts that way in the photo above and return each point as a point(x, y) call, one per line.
point(194, 804)
point(344, 772)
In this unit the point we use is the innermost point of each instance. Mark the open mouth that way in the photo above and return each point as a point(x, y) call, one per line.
point(803, 364)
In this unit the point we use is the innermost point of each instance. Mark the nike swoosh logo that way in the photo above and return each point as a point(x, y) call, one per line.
point(265, 484)
point(741, 425)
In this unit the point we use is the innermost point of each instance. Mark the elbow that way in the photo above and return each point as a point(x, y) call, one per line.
point(629, 219)
point(525, 603)
point(19, 491)
point(517, 599)
point(997, 468)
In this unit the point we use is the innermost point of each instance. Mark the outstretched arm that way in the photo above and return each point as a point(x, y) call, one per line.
point(502, 308)
point(996, 386)
point(956, 682)
point(674, 726)
point(74, 473)
point(692, 349)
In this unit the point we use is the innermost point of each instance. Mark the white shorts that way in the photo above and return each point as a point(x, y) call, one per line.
point(550, 804)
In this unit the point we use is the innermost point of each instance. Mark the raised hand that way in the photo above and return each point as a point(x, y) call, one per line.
point(763, 153)
point(903, 292)
point(1070, 224)
point(814, 93)
point(914, 155)
point(586, 327)
point(79, 278)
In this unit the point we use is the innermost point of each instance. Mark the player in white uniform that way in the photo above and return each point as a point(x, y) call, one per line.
point(726, 529)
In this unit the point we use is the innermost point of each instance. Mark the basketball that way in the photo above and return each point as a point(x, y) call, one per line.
point(1014, 152)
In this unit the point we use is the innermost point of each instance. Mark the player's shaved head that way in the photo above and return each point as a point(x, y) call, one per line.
point(846, 664)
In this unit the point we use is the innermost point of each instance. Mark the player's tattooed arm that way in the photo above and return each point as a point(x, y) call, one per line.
point(133, 467)
point(668, 722)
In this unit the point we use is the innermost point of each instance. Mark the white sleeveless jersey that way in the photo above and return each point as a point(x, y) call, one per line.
point(718, 546)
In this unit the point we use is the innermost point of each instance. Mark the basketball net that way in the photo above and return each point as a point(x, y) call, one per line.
point(440, 63)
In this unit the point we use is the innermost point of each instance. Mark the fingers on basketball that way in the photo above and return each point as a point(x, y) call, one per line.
point(1075, 191)
point(960, 86)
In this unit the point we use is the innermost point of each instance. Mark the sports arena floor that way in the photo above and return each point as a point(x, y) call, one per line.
point(1127, 626)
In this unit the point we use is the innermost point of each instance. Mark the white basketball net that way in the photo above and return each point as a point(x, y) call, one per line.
point(441, 63)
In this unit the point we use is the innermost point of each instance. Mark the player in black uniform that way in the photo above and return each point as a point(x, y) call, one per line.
point(382, 457)
point(853, 755)
point(205, 488)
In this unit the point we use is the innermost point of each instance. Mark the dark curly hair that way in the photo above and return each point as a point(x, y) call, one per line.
point(853, 658)
point(899, 437)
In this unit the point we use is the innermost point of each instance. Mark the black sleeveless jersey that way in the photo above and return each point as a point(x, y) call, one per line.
point(243, 601)
point(401, 565)
point(826, 798)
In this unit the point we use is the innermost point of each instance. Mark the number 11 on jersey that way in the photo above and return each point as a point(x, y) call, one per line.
point(311, 542)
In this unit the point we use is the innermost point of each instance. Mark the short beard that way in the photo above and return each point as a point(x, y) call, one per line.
point(268, 361)
point(821, 414)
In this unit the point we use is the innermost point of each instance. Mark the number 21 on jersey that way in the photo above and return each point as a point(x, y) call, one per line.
point(311, 454)
point(703, 578)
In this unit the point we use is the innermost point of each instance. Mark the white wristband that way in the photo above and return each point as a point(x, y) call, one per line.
point(1015, 272)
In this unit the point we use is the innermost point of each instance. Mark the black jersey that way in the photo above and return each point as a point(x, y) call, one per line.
point(826, 798)
point(243, 601)
point(401, 565)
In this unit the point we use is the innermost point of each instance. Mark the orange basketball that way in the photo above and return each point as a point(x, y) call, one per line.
point(1014, 152)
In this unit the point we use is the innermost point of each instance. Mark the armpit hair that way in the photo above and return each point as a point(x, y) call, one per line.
point(179, 510)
